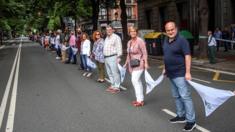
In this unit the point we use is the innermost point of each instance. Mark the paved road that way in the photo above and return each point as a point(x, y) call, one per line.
point(54, 97)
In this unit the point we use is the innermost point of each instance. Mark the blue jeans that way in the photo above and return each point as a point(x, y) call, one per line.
point(183, 99)
point(58, 51)
point(72, 56)
point(112, 71)
point(84, 62)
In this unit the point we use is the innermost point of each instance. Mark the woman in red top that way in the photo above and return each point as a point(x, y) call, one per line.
point(136, 49)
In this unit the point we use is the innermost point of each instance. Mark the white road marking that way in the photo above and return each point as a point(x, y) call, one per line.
point(6, 93)
point(121, 87)
point(208, 69)
point(2, 47)
point(174, 115)
point(201, 80)
point(11, 114)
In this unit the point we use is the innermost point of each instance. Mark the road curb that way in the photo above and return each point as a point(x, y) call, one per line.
point(201, 63)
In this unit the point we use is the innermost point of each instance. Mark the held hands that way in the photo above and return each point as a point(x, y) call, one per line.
point(188, 76)
point(146, 66)
point(164, 72)
point(118, 60)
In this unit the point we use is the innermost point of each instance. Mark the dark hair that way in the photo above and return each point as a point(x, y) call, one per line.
point(170, 21)
point(109, 26)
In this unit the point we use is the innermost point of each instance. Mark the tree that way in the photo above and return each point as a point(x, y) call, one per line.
point(124, 22)
point(203, 28)
point(95, 13)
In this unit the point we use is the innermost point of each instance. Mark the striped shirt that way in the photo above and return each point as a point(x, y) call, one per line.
point(112, 45)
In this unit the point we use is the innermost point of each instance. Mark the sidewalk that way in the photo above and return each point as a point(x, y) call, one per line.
point(225, 61)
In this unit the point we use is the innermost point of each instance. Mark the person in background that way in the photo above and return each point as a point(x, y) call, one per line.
point(225, 35)
point(72, 44)
point(58, 44)
point(64, 49)
point(78, 43)
point(177, 59)
point(85, 53)
point(233, 35)
point(211, 48)
point(112, 56)
point(136, 49)
point(46, 41)
point(52, 40)
point(218, 35)
point(97, 52)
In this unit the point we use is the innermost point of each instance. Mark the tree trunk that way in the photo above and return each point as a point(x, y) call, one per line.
point(203, 28)
point(95, 13)
point(107, 11)
point(124, 23)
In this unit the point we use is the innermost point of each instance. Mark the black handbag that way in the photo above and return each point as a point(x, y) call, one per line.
point(134, 62)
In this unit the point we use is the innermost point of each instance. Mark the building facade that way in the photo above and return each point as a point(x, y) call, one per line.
point(153, 14)
point(114, 15)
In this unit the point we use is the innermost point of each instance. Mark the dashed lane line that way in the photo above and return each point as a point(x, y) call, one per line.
point(200, 128)
point(1, 47)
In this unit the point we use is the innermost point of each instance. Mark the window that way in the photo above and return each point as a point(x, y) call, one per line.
point(129, 12)
point(128, 1)
point(102, 14)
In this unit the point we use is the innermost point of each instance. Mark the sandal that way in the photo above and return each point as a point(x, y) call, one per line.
point(138, 104)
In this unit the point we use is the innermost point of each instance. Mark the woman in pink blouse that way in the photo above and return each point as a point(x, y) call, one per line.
point(136, 49)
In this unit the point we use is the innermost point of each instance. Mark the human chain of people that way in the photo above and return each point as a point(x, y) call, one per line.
point(106, 55)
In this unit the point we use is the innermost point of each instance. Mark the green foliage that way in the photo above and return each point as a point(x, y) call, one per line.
point(4, 25)
point(40, 14)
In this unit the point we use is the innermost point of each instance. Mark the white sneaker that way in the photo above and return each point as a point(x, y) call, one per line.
point(89, 74)
point(84, 74)
point(58, 58)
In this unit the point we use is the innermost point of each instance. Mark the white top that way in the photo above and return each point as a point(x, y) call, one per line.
point(85, 47)
point(52, 40)
point(57, 40)
point(211, 41)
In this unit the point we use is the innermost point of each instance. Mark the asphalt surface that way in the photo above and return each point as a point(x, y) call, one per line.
point(55, 97)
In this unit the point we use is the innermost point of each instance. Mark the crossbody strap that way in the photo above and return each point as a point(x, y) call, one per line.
point(138, 48)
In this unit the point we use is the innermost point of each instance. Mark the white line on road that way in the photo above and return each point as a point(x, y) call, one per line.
point(174, 115)
point(208, 69)
point(6, 93)
point(200, 80)
point(121, 87)
point(11, 114)
point(2, 47)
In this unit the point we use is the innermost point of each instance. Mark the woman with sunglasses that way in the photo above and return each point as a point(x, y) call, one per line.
point(97, 53)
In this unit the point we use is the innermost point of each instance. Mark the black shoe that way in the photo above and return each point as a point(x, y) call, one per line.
point(178, 119)
point(189, 126)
